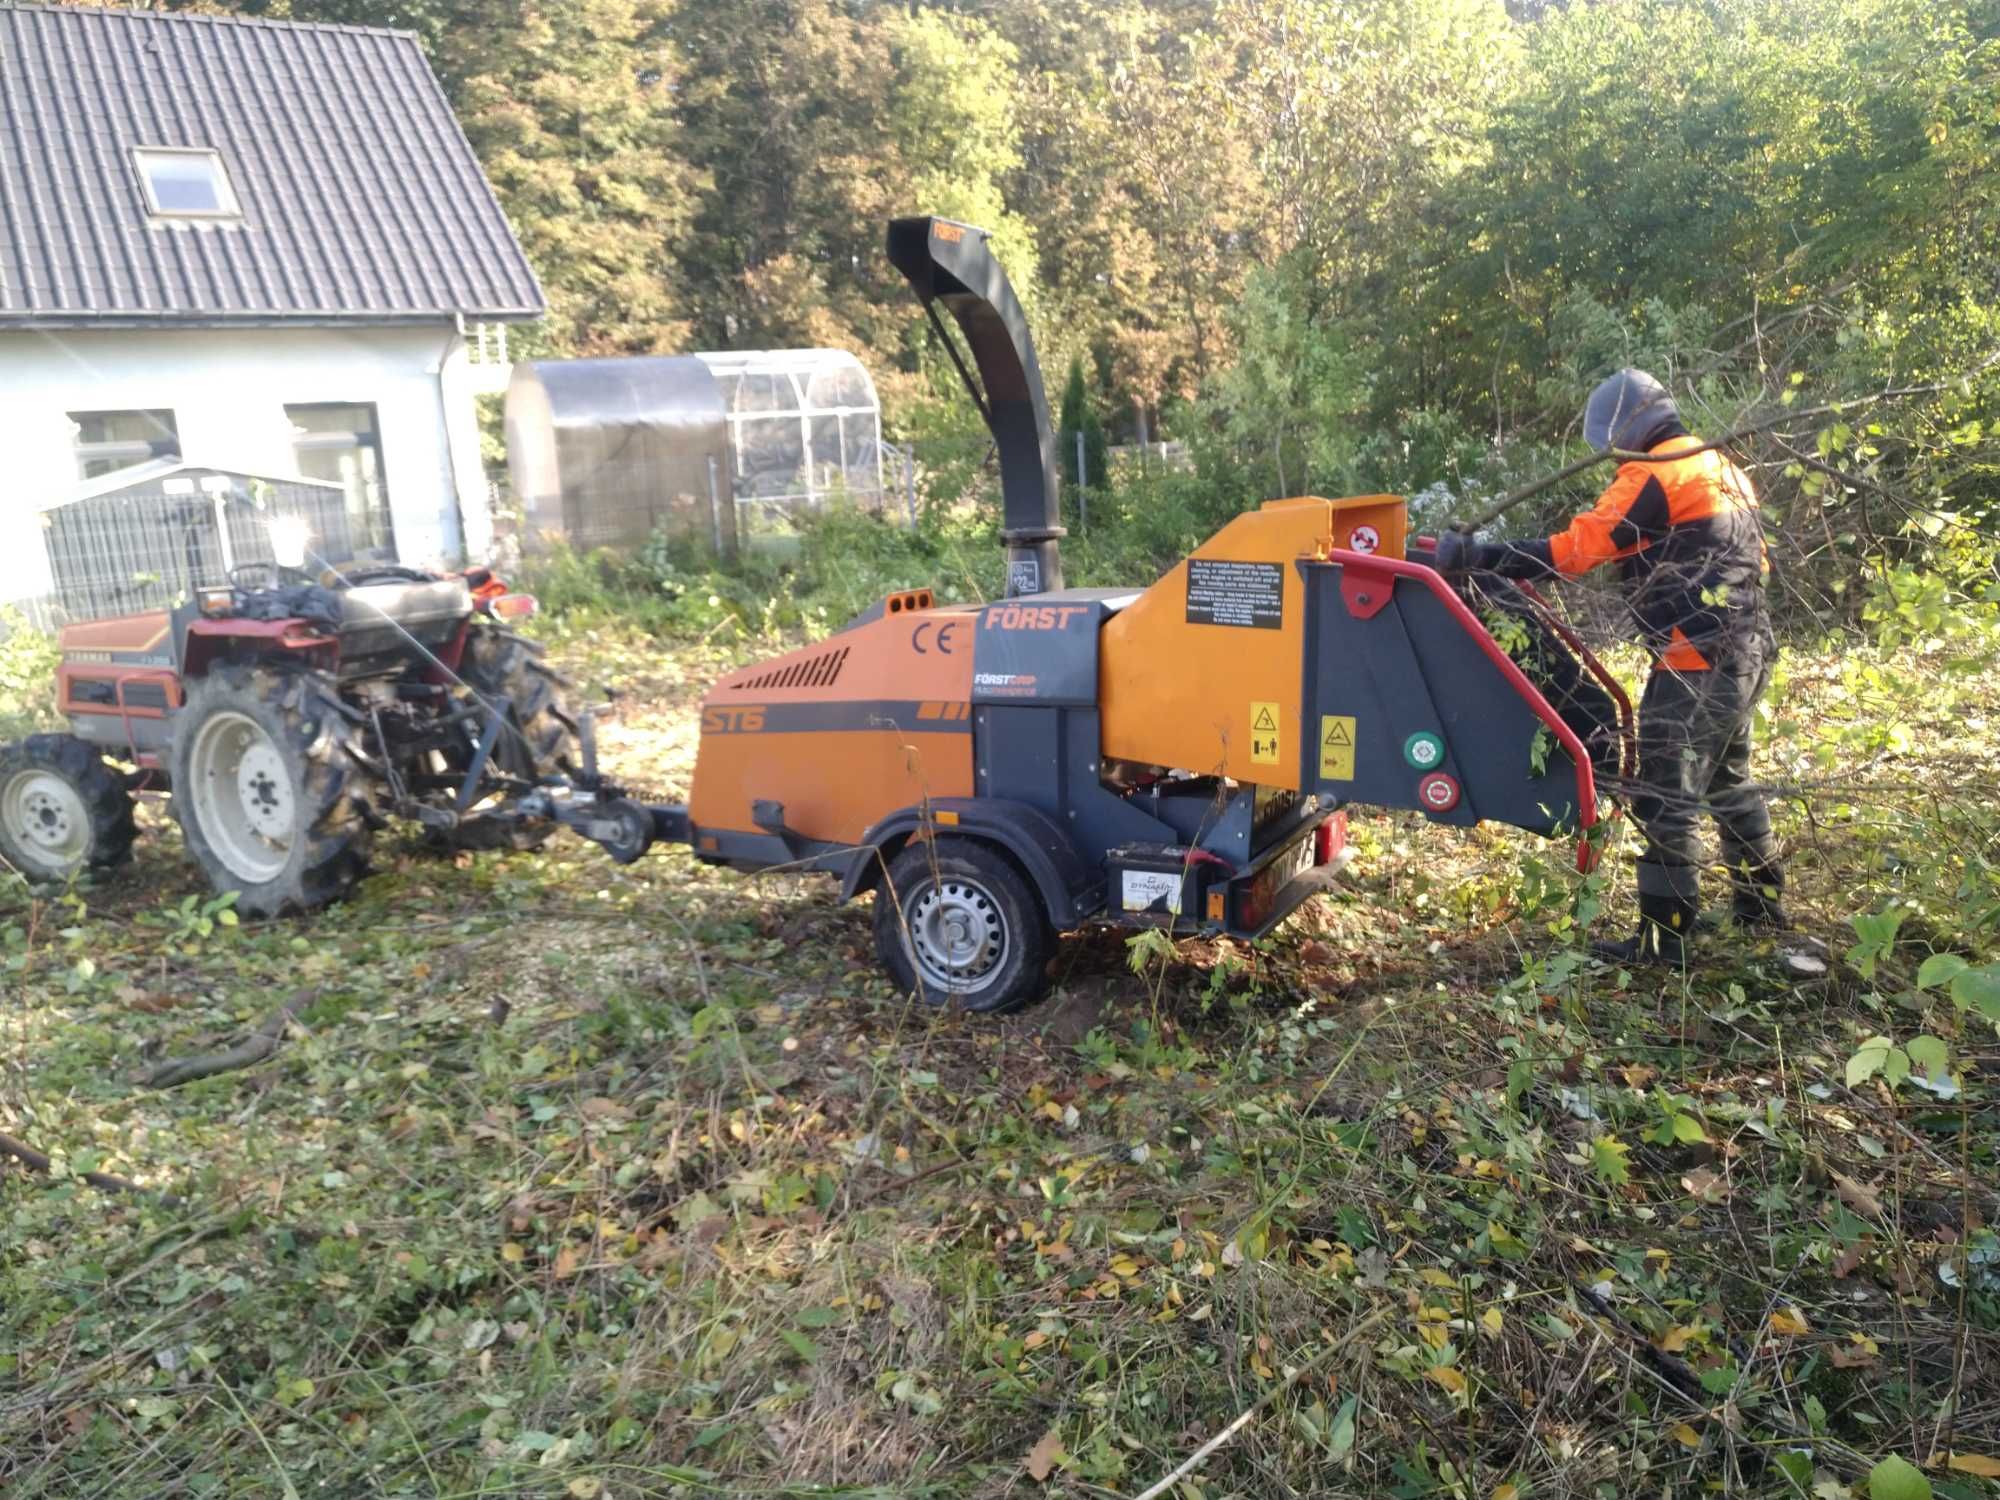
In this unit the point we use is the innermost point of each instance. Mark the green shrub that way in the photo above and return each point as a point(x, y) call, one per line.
point(28, 660)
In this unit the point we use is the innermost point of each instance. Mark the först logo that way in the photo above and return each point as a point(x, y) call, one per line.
point(1032, 616)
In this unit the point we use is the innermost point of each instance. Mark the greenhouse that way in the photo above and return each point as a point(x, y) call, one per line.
point(708, 448)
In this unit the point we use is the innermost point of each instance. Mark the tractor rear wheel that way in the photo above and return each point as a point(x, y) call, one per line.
point(498, 663)
point(957, 921)
point(267, 790)
point(62, 807)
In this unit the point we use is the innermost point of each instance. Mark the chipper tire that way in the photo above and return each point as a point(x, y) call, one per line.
point(62, 808)
point(269, 793)
point(957, 922)
point(499, 663)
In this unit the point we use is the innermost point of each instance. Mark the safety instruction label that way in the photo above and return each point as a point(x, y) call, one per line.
point(1336, 747)
point(1264, 732)
point(1235, 593)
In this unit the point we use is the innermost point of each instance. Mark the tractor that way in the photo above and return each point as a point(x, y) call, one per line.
point(290, 717)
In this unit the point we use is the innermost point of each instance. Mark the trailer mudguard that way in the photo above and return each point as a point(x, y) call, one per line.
point(1069, 889)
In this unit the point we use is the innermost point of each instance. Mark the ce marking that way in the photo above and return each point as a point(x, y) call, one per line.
point(941, 642)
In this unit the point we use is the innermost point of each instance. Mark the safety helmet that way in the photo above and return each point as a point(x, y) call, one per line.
point(1624, 408)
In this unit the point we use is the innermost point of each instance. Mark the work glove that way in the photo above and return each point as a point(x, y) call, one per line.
point(1459, 552)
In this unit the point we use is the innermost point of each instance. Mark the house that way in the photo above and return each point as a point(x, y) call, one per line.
point(250, 244)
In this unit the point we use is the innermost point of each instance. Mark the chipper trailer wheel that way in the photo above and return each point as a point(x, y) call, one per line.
point(956, 921)
point(266, 790)
point(500, 664)
point(61, 808)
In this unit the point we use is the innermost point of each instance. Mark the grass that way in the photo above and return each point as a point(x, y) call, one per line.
point(580, 1180)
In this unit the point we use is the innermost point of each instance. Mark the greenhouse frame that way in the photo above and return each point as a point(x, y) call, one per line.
point(707, 448)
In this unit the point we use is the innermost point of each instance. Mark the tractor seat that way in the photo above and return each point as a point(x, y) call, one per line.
point(374, 616)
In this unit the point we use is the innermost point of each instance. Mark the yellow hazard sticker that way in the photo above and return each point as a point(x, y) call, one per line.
point(1336, 747)
point(1264, 732)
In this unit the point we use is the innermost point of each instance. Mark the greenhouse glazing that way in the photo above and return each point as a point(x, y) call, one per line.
point(704, 447)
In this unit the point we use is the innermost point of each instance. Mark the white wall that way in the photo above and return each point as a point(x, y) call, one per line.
point(228, 391)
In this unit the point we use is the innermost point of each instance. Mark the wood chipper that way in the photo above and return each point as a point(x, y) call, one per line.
point(1176, 755)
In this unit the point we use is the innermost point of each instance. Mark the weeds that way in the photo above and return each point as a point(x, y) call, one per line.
point(579, 1179)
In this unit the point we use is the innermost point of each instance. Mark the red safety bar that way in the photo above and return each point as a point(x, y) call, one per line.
point(1366, 583)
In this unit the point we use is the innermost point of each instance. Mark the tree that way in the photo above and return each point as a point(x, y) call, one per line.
point(1079, 419)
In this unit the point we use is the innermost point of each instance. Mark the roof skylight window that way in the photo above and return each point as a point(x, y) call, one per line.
point(186, 183)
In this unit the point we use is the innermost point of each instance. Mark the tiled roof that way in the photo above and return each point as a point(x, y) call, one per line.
point(361, 200)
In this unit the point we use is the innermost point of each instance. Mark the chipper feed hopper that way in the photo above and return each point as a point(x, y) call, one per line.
point(1175, 755)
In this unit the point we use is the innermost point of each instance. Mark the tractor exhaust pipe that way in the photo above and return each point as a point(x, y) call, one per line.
point(948, 262)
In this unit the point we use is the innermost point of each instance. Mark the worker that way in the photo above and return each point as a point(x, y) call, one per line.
point(1682, 526)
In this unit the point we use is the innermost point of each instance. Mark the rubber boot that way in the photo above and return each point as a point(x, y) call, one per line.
point(1754, 898)
point(1669, 903)
point(1665, 923)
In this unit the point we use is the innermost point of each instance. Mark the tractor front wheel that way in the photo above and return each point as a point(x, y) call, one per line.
point(61, 808)
point(957, 921)
point(267, 791)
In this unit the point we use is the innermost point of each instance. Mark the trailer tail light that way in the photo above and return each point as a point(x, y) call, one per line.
point(511, 606)
point(1330, 838)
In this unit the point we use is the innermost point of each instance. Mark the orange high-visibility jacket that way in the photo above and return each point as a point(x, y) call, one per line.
point(1689, 545)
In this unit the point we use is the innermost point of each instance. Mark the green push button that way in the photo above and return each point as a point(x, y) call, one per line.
point(1424, 751)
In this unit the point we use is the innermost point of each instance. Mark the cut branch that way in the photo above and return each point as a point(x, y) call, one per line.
point(1535, 487)
point(252, 1050)
point(35, 1161)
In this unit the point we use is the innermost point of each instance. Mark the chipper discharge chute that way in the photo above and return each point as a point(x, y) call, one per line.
point(1175, 755)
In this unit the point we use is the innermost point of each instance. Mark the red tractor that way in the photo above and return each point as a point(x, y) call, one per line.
point(290, 718)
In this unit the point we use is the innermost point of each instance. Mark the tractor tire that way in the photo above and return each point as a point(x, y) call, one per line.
point(269, 795)
point(498, 663)
point(956, 921)
point(62, 807)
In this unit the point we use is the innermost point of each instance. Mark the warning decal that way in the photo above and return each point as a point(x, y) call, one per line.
point(1235, 593)
point(1263, 732)
point(1336, 747)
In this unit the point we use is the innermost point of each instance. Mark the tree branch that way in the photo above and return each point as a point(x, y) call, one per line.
point(22, 1152)
point(253, 1049)
point(1606, 455)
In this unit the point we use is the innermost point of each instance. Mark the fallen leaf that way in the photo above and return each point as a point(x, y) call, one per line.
point(1491, 1320)
point(567, 1260)
point(1676, 1338)
point(1897, 1479)
point(1448, 1377)
point(1790, 1322)
point(1974, 1463)
point(512, 1253)
point(1857, 1195)
point(1035, 1340)
point(1685, 1435)
point(1313, 951)
point(1853, 1356)
point(1845, 1262)
point(1504, 1492)
point(1705, 1185)
point(1044, 1456)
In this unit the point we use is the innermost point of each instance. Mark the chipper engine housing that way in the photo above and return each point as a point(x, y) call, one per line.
point(1176, 755)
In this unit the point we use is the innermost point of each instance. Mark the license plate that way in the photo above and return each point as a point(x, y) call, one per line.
point(1296, 858)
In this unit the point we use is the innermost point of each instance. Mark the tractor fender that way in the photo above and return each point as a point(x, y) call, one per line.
point(1069, 888)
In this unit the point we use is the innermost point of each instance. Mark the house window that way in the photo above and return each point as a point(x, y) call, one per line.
point(186, 183)
point(107, 441)
point(342, 444)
